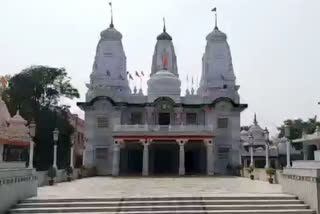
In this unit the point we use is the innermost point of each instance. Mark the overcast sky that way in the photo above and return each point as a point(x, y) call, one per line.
point(275, 44)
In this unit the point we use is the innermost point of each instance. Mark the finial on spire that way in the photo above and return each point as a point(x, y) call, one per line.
point(111, 24)
point(216, 18)
point(164, 24)
point(255, 122)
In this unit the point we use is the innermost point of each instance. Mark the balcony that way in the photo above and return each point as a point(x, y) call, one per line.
point(163, 130)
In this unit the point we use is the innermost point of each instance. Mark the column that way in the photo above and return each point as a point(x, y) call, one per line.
point(116, 158)
point(305, 151)
point(1, 153)
point(182, 170)
point(251, 156)
point(267, 156)
point(55, 155)
point(145, 163)
point(288, 153)
point(210, 164)
point(31, 149)
point(71, 156)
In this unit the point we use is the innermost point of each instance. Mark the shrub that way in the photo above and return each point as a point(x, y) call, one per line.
point(270, 172)
point(69, 170)
point(52, 172)
point(250, 169)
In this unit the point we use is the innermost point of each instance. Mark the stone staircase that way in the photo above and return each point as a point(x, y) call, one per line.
point(258, 204)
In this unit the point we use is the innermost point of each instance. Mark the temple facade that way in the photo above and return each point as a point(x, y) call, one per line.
point(162, 132)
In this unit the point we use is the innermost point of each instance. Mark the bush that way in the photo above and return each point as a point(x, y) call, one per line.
point(270, 172)
point(69, 170)
point(52, 172)
point(250, 169)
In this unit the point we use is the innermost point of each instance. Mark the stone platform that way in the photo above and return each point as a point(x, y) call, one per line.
point(156, 186)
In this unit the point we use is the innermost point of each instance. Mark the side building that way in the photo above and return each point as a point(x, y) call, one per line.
point(162, 132)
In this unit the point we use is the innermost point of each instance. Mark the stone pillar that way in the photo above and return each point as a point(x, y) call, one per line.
point(1, 153)
point(31, 149)
point(288, 153)
point(182, 169)
point(55, 155)
point(210, 164)
point(305, 151)
point(251, 156)
point(145, 163)
point(267, 157)
point(71, 156)
point(116, 158)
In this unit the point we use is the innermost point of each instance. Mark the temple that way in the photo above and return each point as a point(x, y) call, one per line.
point(162, 132)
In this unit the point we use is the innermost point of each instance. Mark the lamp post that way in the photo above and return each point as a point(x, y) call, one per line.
point(32, 131)
point(287, 136)
point(251, 141)
point(55, 139)
point(266, 135)
point(73, 138)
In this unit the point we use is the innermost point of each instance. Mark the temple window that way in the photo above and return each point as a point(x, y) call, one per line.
point(222, 123)
point(191, 118)
point(102, 122)
point(136, 118)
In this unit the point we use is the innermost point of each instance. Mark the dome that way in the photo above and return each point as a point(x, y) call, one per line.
point(111, 34)
point(164, 36)
point(216, 35)
point(164, 83)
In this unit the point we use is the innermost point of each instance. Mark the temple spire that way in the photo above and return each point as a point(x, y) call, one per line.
point(164, 25)
point(216, 18)
point(111, 12)
point(255, 122)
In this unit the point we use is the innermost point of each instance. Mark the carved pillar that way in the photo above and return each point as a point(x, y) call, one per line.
point(305, 152)
point(288, 153)
point(71, 155)
point(31, 149)
point(55, 147)
point(145, 163)
point(182, 170)
point(210, 158)
point(251, 156)
point(116, 158)
point(267, 157)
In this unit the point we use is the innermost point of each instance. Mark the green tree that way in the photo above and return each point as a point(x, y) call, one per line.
point(297, 127)
point(36, 91)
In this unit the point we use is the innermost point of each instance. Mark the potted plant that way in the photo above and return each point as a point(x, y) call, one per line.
point(270, 172)
point(250, 170)
point(52, 173)
point(69, 171)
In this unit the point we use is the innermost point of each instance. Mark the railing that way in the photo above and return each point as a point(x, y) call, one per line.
point(159, 128)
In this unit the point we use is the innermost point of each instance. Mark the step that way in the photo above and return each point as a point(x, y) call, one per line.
point(305, 211)
point(166, 208)
point(155, 203)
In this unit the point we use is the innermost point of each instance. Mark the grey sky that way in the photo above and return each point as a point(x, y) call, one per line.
point(274, 43)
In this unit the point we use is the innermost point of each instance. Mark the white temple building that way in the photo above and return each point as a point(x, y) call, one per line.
point(162, 132)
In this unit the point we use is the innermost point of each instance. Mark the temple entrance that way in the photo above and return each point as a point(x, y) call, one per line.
point(195, 158)
point(164, 119)
point(165, 159)
point(131, 160)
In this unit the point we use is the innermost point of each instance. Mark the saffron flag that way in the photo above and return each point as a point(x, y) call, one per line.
point(207, 109)
point(165, 62)
point(137, 74)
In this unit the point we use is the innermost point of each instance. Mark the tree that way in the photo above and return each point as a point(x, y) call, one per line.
point(297, 127)
point(36, 91)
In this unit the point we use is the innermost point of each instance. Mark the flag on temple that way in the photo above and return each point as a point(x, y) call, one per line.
point(110, 3)
point(165, 62)
point(130, 76)
point(108, 73)
point(208, 109)
point(137, 74)
point(142, 73)
point(214, 9)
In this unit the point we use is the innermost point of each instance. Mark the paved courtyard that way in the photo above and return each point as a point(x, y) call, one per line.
point(169, 186)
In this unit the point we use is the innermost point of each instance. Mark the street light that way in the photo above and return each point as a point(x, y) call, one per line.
point(55, 139)
point(32, 131)
point(251, 141)
point(287, 137)
point(266, 136)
